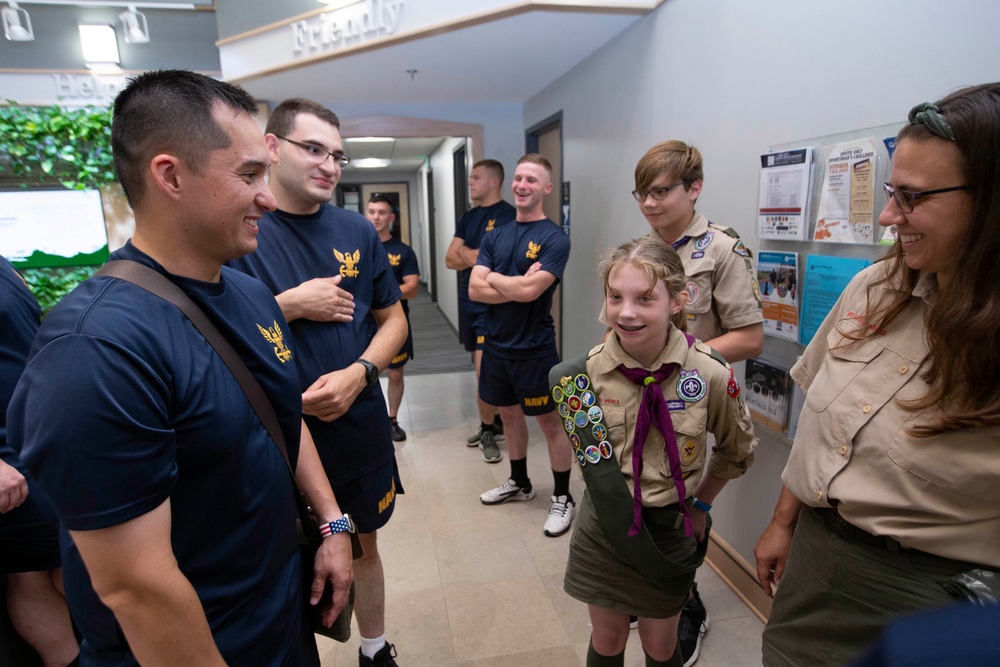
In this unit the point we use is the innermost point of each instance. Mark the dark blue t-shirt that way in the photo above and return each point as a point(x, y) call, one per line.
point(403, 262)
point(19, 319)
point(474, 225)
point(295, 248)
point(516, 330)
point(124, 404)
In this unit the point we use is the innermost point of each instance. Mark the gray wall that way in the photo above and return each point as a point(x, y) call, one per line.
point(734, 77)
point(178, 39)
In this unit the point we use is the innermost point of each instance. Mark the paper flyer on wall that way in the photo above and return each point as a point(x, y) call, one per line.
point(847, 200)
point(778, 281)
point(783, 201)
point(824, 281)
point(766, 386)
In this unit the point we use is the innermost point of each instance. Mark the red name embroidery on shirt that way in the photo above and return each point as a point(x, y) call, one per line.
point(610, 401)
point(861, 318)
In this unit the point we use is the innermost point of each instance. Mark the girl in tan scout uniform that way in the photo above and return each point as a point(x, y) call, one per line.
point(637, 411)
point(891, 497)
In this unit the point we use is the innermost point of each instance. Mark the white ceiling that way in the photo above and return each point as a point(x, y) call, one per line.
point(506, 60)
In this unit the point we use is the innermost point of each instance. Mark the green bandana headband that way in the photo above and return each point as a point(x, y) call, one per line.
point(928, 115)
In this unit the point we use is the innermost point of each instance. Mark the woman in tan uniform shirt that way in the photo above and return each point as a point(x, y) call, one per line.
point(891, 498)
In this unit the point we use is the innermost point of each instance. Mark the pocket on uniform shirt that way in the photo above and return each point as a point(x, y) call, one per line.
point(689, 429)
point(836, 374)
point(699, 286)
point(959, 461)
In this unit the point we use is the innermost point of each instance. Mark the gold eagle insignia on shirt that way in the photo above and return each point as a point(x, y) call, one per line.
point(489, 225)
point(348, 263)
point(394, 259)
point(533, 249)
point(276, 338)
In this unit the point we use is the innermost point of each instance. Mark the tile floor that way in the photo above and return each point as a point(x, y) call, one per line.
point(475, 586)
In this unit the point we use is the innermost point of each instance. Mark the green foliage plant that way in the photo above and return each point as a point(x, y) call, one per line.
point(56, 146)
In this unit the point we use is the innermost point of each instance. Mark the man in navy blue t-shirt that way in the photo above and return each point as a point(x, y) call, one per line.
point(490, 213)
point(403, 262)
point(178, 508)
point(328, 270)
point(516, 275)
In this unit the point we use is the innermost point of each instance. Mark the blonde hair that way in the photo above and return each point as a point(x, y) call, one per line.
point(660, 262)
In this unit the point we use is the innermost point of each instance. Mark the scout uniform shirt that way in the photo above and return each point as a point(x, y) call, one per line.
point(937, 494)
point(709, 402)
point(723, 291)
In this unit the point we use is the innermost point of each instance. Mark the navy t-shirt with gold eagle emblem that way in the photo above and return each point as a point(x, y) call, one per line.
point(475, 225)
point(403, 262)
point(516, 330)
point(124, 405)
point(292, 249)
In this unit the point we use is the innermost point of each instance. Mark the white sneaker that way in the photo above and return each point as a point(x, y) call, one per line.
point(560, 516)
point(507, 491)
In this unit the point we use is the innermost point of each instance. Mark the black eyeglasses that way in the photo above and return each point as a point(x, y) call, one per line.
point(906, 200)
point(658, 194)
point(318, 153)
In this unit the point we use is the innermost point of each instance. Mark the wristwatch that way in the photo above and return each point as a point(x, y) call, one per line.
point(344, 524)
point(371, 371)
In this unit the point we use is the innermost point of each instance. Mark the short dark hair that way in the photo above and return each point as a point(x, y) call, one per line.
point(377, 198)
point(169, 111)
point(281, 122)
point(492, 168)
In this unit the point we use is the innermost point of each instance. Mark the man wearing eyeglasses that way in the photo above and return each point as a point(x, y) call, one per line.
point(329, 273)
point(724, 307)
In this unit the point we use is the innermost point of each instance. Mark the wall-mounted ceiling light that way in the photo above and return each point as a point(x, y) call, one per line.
point(134, 26)
point(372, 140)
point(17, 24)
point(100, 44)
point(370, 163)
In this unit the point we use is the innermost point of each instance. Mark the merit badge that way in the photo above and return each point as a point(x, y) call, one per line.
point(574, 439)
point(581, 458)
point(588, 398)
point(557, 394)
point(568, 425)
point(693, 293)
point(574, 403)
point(569, 389)
point(691, 387)
point(600, 431)
point(580, 419)
point(733, 388)
point(689, 451)
point(593, 454)
point(606, 450)
point(563, 410)
point(582, 382)
point(704, 241)
point(595, 415)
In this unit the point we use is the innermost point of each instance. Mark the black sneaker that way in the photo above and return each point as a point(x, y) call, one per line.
point(398, 434)
point(691, 627)
point(384, 657)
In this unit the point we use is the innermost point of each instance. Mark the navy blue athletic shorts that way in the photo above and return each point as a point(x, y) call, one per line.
point(29, 535)
point(371, 498)
point(523, 382)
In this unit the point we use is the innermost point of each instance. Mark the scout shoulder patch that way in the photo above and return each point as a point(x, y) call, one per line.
point(691, 386)
point(704, 241)
point(741, 250)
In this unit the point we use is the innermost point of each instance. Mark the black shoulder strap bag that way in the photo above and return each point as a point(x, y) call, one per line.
point(309, 538)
